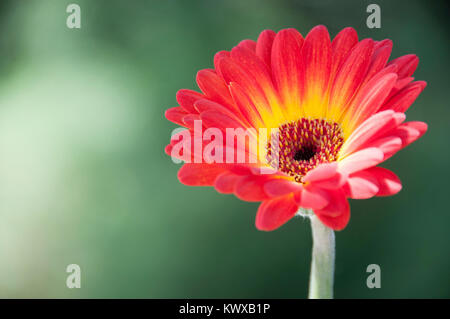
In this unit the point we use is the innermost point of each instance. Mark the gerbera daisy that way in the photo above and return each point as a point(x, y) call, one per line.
point(338, 110)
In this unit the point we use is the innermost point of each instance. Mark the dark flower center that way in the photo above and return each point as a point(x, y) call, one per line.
point(305, 153)
point(300, 146)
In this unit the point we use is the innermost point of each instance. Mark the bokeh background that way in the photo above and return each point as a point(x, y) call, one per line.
point(84, 179)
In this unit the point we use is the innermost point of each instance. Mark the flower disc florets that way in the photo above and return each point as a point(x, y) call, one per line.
point(299, 146)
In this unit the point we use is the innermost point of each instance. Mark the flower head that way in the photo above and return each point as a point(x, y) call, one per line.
point(316, 117)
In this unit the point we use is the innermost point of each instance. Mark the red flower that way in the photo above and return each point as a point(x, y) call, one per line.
point(338, 107)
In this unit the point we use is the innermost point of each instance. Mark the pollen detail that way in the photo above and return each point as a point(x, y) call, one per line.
point(297, 147)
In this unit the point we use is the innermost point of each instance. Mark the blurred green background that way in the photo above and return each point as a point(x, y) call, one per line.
point(84, 179)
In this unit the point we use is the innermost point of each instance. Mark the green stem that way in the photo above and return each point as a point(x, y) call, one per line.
point(322, 264)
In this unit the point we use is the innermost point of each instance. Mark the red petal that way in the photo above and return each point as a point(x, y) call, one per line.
point(374, 127)
point(410, 132)
point(379, 59)
point(264, 46)
point(341, 47)
point(401, 83)
point(275, 212)
point(360, 160)
point(193, 174)
point(281, 187)
point(388, 183)
point(251, 188)
point(407, 64)
point(217, 57)
point(325, 176)
point(245, 105)
point(189, 120)
point(388, 145)
point(372, 97)
point(287, 65)
point(362, 185)
point(382, 43)
point(203, 106)
point(215, 88)
point(351, 74)
point(321, 172)
point(253, 65)
point(248, 44)
point(258, 72)
point(175, 115)
point(220, 120)
point(313, 197)
point(316, 54)
point(187, 98)
point(401, 101)
point(336, 215)
point(234, 72)
point(226, 183)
